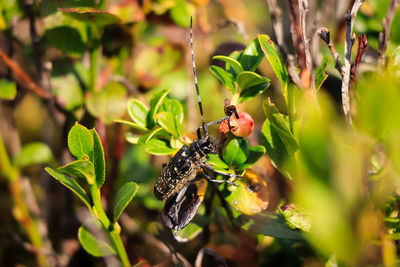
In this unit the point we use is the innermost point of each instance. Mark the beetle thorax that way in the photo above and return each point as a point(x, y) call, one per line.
point(204, 146)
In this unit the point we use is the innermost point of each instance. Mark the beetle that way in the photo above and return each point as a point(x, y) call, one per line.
point(175, 185)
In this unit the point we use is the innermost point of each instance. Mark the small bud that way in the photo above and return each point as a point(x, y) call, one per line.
point(243, 126)
point(224, 127)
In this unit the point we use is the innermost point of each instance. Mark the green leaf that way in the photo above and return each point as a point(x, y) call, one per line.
point(8, 89)
point(276, 61)
point(155, 104)
point(252, 56)
point(80, 169)
point(180, 13)
point(109, 103)
point(233, 63)
point(137, 110)
point(91, 15)
point(252, 84)
point(98, 159)
point(320, 73)
point(255, 153)
point(166, 121)
point(157, 146)
point(160, 132)
point(281, 126)
point(236, 152)
point(225, 77)
point(217, 163)
point(394, 62)
point(68, 91)
point(296, 217)
point(33, 153)
point(131, 124)
point(174, 107)
point(124, 195)
point(80, 141)
point(279, 142)
point(268, 224)
point(93, 245)
point(67, 39)
point(71, 184)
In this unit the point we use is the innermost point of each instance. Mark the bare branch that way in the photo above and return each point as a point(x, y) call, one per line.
point(326, 37)
point(362, 46)
point(303, 16)
point(384, 35)
point(21, 74)
point(276, 16)
point(349, 17)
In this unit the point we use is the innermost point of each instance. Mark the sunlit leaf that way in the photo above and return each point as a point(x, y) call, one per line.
point(8, 89)
point(33, 153)
point(80, 169)
point(252, 84)
point(276, 61)
point(157, 146)
point(236, 66)
point(137, 110)
point(252, 196)
point(180, 13)
point(255, 153)
point(91, 15)
point(167, 121)
point(155, 104)
point(131, 124)
point(225, 77)
point(252, 56)
point(80, 141)
point(296, 217)
point(67, 39)
point(174, 107)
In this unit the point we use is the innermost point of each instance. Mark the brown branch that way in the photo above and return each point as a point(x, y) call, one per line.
point(362, 47)
point(349, 17)
point(303, 18)
point(21, 74)
point(384, 35)
point(326, 37)
point(297, 37)
point(276, 17)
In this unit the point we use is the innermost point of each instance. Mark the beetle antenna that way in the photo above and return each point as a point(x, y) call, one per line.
point(204, 126)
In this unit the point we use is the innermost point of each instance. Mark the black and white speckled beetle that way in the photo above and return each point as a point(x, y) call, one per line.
point(175, 185)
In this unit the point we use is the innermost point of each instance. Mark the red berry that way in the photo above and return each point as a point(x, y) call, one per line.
point(224, 127)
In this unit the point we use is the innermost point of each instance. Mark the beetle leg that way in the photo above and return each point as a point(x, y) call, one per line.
point(209, 167)
point(208, 124)
point(179, 200)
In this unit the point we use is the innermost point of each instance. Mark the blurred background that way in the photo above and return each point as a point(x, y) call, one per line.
point(60, 65)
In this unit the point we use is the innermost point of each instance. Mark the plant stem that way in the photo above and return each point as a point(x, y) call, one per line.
point(20, 209)
point(290, 106)
point(112, 233)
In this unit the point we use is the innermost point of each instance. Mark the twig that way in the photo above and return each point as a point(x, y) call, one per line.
point(384, 35)
point(276, 17)
point(303, 16)
point(326, 37)
point(362, 47)
point(349, 17)
point(297, 36)
point(20, 73)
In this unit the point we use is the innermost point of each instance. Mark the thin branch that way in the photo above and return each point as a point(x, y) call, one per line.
point(303, 19)
point(21, 74)
point(276, 16)
point(326, 37)
point(362, 47)
point(297, 36)
point(384, 35)
point(349, 17)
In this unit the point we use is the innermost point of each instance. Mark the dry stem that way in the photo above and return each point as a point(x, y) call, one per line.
point(349, 17)
point(384, 35)
point(326, 37)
